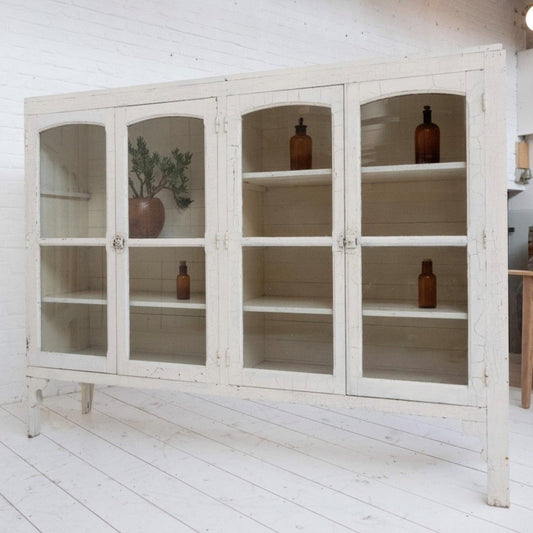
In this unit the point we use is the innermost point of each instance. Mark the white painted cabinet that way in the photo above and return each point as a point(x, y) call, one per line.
point(303, 282)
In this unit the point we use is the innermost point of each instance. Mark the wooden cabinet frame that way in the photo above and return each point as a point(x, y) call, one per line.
point(482, 401)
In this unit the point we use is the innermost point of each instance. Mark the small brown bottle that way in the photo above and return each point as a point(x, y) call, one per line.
point(427, 286)
point(427, 140)
point(183, 283)
point(301, 147)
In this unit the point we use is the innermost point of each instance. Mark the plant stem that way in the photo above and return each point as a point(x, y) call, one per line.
point(161, 185)
point(135, 193)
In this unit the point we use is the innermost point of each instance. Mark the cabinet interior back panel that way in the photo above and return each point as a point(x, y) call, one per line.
point(388, 126)
point(287, 211)
point(295, 342)
point(416, 349)
point(288, 271)
point(430, 207)
point(266, 136)
point(391, 273)
point(163, 135)
point(167, 335)
point(155, 269)
point(73, 181)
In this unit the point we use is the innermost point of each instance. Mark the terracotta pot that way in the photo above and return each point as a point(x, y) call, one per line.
point(146, 217)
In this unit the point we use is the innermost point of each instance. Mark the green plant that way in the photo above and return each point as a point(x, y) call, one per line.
point(155, 173)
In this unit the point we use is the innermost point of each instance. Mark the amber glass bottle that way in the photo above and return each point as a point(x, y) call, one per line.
point(427, 286)
point(427, 140)
point(301, 148)
point(183, 283)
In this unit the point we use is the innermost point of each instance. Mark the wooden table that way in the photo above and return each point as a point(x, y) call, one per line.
point(527, 334)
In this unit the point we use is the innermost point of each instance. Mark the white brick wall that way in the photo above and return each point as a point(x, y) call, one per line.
point(55, 46)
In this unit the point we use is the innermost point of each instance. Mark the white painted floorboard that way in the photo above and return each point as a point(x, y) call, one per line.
point(153, 461)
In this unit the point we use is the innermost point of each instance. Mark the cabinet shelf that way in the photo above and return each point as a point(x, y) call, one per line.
point(173, 358)
point(288, 178)
point(324, 306)
point(66, 195)
point(295, 366)
point(289, 304)
point(156, 299)
point(422, 172)
point(402, 309)
point(92, 297)
point(137, 299)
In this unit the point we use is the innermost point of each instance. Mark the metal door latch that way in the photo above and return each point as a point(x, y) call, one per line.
point(119, 242)
point(347, 241)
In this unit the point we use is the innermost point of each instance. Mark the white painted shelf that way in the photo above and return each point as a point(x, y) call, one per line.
point(67, 195)
point(324, 306)
point(137, 299)
point(288, 178)
point(177, 358)
point(423, 172)
point(403, 309)
point(155, 299)
point(92, 297)
point(92, 350)
point(96, 351)
point(294, 366)
point(289, 304)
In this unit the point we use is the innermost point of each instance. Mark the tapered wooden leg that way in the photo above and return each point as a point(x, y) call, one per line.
point(87, 391)
point(498, 444)
point(527, 341)
point(35, 389)
point(497, 469)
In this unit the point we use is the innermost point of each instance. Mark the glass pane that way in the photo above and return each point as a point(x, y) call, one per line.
point(163, 327)
point(388, 126)
point(288, 313)
point(290, 342)
point(397, 197)
point(278, 201)
point(167, 193)
point(428, 207)
point(402, 340)
point(74, 298)
point(73, 181)
point(415, 350)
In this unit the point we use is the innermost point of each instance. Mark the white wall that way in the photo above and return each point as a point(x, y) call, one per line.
point(55, 46)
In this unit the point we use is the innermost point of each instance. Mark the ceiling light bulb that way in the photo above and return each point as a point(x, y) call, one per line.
point(529, 18)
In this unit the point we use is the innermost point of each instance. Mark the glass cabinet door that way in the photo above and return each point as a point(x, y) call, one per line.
point(416, 241)
point(286, 275)
point(167, 198)
point(73, 214)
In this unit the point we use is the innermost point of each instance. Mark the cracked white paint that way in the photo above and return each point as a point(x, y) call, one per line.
point(343, 89)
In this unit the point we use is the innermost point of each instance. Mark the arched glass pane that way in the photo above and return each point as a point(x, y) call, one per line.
point(278, 199)
point(167, 194)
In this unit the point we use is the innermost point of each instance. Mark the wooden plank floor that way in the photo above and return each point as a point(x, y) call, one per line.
point(145, 461)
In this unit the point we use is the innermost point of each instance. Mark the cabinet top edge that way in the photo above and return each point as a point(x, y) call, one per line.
point(299, 76)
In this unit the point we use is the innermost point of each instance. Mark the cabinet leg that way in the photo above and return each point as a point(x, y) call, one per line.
point(498, 457)
point(87, 391)
point(35, 387)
